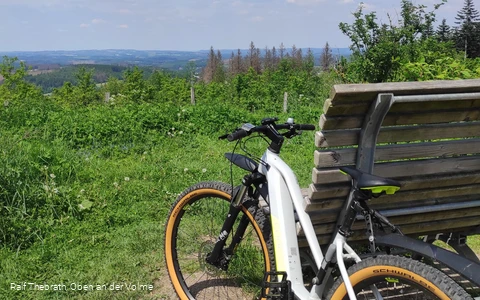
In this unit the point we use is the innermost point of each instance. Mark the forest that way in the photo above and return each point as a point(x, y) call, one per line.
point(87, 180)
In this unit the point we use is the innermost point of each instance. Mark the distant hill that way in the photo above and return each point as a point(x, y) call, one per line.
point(172, 60)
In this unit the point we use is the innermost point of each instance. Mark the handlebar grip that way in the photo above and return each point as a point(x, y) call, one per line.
point(306, 127)
point(237, 135)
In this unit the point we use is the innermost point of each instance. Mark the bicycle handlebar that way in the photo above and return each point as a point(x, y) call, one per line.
point(249, 129)
point(239, 134)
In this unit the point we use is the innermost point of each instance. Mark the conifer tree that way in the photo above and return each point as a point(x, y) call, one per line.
point(326, 58)
point(219, 72)
point(209, 70)
point(281, 51)
point(443, 32)
point(468, 37)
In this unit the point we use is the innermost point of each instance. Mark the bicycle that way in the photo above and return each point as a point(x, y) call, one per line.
point(241, 243)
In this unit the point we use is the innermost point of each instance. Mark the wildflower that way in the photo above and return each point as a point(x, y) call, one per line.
point(115, 184)
point(52, 176)
point(181, 132)
point(127, 178)
point(82, 191)
point(55, 191)
point(178, 115)
point(204, 170)
point(183, 110)
point(185, 170)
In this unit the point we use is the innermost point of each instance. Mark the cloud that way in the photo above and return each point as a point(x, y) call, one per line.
point(84, 25)
point(346, 1)
point(98, 21)
point(123, 26)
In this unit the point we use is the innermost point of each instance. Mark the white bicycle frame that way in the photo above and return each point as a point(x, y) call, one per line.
point(285, 195)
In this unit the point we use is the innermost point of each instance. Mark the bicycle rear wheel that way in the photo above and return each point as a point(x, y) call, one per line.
point(192, 228)
point(399, 278)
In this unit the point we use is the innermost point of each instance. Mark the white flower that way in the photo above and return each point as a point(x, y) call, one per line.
point(178, 115)
point(185, 170)
point(204, 170)
point(181, 132)
point(55, 191)
point(52, 175)
point(127, 178)
point(82, 191)
point(183, 110)
point(115, 184)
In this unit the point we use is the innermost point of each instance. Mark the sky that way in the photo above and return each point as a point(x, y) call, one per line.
point(35, 25)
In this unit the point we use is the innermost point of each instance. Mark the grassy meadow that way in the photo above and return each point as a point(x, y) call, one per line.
point(86, 191)
point(85, 186)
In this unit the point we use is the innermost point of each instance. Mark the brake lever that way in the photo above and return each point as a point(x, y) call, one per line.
point(222, 137)
point(292, 133)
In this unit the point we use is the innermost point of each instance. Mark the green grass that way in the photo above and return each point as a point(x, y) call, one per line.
point(115, 235)
point(118, 237)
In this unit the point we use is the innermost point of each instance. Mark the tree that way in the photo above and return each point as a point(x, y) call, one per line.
point(211, 67)
point(468, 37)
point(14, 87)
point(281, 51)
point(274, 58)
point(326, 58)
point(298, 59)
point(268, 61)
point(136, 89)
point(443, 32)
point(309, 61)
point(380, 50)
point(219, 74)
point(86, 90)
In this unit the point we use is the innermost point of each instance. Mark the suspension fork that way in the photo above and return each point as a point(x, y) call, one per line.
point(217, 256)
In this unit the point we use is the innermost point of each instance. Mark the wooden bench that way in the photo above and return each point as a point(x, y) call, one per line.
point(425, 135)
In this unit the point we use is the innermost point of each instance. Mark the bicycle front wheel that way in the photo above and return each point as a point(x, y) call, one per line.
point(397, 277)
point(192, 228)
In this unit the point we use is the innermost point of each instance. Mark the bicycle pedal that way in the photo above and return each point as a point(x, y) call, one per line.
point(275, 288)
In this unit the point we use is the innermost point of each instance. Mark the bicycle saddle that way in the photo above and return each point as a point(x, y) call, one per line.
point(371, 182)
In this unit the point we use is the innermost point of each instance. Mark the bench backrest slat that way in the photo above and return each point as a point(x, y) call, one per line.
point(347, 156)
point(336, 138)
